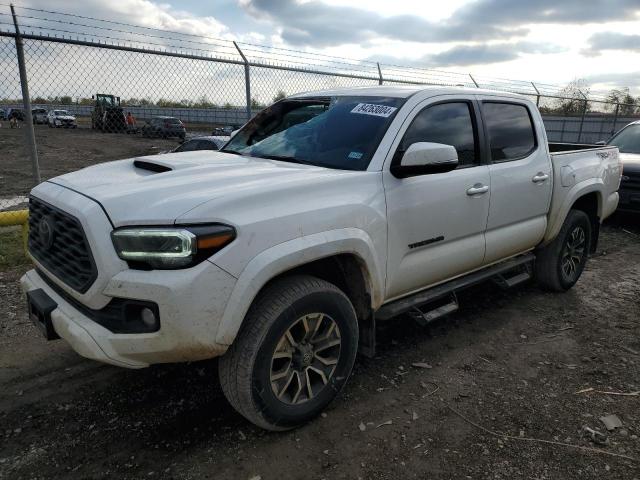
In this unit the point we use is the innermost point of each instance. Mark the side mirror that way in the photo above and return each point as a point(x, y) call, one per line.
point(601, 142)
point(425, 157)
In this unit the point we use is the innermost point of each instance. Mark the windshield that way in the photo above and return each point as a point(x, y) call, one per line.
point(61, 112)
point(627, 140)
point(336, 132)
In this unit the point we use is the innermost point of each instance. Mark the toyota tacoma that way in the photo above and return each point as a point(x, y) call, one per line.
point(326, 213)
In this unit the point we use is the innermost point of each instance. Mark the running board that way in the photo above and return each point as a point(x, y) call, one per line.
point(507, 282)
point(426, 317)
point(438, 292)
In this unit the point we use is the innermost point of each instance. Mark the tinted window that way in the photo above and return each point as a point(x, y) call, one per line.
point(188, 146)
point(510, 129)
point(336, 132)
point(447, 123)
point(193, 145)
point(627, 140)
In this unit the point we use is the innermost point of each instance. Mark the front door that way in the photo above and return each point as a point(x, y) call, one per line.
point(437, 221)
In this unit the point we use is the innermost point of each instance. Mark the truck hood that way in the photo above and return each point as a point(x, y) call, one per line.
point(156, 190)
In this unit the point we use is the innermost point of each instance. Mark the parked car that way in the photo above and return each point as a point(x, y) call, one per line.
point(61, 119)
point(3, 114)
point(628, 142)
point(16, 113)
point(327, 212)
point(39, 115)
point(202, 143)
point(164, 127)
point(224, 131)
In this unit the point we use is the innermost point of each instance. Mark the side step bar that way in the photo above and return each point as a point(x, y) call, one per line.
point(499, 272)
point(424, 318)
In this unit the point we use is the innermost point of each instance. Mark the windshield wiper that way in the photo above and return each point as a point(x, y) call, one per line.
point(228, 150)
point(285, 158)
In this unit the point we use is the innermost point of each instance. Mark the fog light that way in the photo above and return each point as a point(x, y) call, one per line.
point(148, 317)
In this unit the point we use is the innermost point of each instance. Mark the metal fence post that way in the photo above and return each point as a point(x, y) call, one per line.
point(26, 101)
point(615, 119)
point(584, 112)
point(380, 80)
point(247, 81)
point(537, 94)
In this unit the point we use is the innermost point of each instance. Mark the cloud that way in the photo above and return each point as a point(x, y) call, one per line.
point(611, 41)
point(464, 55)
point(617, 80)
point(317, 24)
point(138, 12)
point(320, 25)
point(488, 53)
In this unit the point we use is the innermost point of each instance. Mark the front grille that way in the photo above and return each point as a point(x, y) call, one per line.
point(57, 241)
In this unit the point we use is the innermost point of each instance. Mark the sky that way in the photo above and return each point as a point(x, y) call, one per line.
point(551, 41)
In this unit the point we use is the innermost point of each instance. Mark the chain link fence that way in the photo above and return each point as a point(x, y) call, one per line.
point(87, 73)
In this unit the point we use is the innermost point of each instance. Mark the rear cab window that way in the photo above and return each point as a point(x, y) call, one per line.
point(510, 130)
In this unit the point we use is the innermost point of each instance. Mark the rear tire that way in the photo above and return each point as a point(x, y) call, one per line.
point(560, 263)
point(293, 354)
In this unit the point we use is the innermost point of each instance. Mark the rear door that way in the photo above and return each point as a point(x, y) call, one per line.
point(521, 177)
point(436, 222)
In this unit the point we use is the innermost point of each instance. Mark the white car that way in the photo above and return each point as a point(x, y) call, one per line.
point(327, 212)
point(61, 119)
point(39, 116)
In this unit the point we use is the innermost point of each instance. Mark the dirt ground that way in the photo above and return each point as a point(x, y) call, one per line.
point(510, 362)
point(62, 150)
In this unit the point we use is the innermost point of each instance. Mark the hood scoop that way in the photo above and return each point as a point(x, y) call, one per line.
point(151, 166)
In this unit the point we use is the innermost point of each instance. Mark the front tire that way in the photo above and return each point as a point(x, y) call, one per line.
point(293, 354)
point(560, 263)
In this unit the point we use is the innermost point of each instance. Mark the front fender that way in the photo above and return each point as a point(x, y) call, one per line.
point(294, 253)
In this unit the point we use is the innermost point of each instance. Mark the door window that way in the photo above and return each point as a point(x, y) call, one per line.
point(448, 123)
point(510, 129)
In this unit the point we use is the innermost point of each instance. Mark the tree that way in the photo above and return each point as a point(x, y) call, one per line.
point(573, 98)
point(279, 96)
point(256, 105)
point(628, 103)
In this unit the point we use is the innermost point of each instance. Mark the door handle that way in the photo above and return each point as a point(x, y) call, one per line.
point(540, 177)
point(478, 189)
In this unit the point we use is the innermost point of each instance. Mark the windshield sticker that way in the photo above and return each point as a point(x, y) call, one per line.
point(355, 155)
point(373, 109)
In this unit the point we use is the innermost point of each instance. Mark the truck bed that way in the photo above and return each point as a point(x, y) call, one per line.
point(582, 167)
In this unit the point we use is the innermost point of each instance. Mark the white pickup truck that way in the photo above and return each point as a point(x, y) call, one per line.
point(325, 213)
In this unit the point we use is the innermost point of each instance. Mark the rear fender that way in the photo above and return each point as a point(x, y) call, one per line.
point(559, 214)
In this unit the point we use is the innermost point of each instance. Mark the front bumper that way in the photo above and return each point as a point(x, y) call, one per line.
point(629, 200)
point(191, 303)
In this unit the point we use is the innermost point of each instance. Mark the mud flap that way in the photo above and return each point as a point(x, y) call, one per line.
point(367, 343)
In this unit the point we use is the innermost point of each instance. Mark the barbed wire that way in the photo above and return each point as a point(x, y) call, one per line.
point(210, 46)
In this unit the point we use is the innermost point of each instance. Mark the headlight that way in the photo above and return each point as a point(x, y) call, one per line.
point(170, 248)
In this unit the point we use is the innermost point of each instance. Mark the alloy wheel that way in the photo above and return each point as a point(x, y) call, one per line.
point(573, 253)
point(305, 358)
